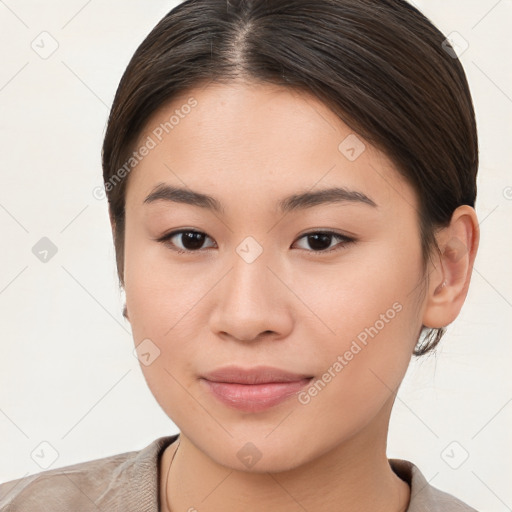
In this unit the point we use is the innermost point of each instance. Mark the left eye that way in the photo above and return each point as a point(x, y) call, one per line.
point(321, 241)
point(191, 241)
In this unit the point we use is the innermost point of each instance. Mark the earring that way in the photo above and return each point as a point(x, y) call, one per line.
point(441, 286)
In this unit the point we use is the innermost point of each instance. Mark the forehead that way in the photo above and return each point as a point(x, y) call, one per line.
point(240, 138)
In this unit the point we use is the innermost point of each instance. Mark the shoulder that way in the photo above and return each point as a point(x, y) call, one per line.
point(106, 483)
point(423, 495)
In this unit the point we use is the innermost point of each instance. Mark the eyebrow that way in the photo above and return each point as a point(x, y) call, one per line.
point(299, 201)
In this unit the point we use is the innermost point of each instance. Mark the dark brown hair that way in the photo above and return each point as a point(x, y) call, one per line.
point(380, 65)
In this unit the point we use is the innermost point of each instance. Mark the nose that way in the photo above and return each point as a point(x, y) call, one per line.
point(252, 302)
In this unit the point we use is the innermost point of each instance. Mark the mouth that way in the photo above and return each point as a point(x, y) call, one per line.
point(254, 389)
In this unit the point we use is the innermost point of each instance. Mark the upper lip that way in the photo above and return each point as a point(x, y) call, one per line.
point(254, 375)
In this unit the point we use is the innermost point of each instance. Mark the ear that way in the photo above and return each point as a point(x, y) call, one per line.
point(449, 277)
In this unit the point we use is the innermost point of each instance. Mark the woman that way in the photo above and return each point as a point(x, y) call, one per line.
point(291, 190)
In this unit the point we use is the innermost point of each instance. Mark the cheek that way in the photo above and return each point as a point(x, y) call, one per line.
point(162, 318)
point(164, 301)
point(160, 294)
point(369, 319)
point(160, 308)
point(365, 288)
point(363, 366)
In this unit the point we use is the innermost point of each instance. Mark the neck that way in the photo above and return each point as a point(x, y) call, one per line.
point(354, 475)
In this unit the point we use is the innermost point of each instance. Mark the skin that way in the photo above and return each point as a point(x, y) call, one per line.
point(294, 307)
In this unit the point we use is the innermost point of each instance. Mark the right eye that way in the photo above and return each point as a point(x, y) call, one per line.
point(190, 240)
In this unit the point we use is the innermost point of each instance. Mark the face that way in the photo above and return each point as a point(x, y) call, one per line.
point(322, 286)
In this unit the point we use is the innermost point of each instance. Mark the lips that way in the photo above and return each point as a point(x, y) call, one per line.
point(254, 389)
point(255, 375)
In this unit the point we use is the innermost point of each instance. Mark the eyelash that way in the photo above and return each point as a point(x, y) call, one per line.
point(345, 240)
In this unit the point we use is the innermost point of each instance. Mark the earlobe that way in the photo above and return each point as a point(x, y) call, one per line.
point(450, 276)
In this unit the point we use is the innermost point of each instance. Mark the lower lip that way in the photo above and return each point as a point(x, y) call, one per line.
point(254, 397)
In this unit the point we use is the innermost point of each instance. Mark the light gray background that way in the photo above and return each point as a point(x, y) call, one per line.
point(68, 374)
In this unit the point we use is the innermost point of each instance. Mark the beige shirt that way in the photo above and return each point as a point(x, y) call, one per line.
point(129, 482)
